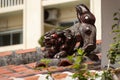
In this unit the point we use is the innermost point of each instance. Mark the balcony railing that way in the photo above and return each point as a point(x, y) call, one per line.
point(7, 3)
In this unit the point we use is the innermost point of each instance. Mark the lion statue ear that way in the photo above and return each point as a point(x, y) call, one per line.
point(81, 8)
point(84, 15)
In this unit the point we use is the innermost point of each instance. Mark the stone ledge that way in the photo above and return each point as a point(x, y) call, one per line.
point(20, 56)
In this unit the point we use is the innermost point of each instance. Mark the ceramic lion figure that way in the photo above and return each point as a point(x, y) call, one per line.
point(60, 43)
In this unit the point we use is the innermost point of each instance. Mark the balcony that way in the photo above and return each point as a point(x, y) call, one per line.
point(11, 5)
point(7, 3)
point(57, 3)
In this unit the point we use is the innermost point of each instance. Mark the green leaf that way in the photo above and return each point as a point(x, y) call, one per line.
point(80, 51)
point(76, 66)
point(47, 77)
point(40, 41)
point(116, 31)
point(116, 18)
point(74, 75)
point(114, 38)
point(46, 61)
point(114, 25)
point(119, 62)
point(115, 14)
point(70, 58)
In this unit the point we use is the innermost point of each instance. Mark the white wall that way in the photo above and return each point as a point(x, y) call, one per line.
point(15, 20)
point(108, 8)
point(11, 21)
point(95, 7)
point(32, 23)
point(67, 14)
point(55, 2)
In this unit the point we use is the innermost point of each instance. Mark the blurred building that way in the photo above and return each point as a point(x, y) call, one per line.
point(22, 22)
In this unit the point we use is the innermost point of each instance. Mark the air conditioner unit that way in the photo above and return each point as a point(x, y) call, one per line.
point(51, 15)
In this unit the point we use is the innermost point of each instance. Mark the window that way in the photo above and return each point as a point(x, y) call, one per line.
point(11, 38)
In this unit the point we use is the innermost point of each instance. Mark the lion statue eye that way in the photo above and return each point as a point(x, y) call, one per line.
point(86, 17)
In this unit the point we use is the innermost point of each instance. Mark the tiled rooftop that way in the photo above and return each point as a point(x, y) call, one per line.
point(28, 72)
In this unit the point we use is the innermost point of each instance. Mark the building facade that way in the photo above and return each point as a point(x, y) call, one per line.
point(22, 22)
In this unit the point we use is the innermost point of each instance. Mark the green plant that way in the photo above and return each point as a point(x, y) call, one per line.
point(49, 74)
point(114, 51)
point(79, 68)
point(45, 61)
point(78, 59)
point(107, 75)
point(40, 41)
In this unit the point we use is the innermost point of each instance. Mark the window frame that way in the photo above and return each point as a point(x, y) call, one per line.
point(11, 33)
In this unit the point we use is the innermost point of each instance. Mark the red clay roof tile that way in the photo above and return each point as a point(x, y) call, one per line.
point(5, 53)
point(31, 78)
point(31, 65)
point(4, 71)
point(59, 76)
point(98, 41)
point(27, 71)
point(18, 68)
point(4, 79)
point(25, 51)
point(14, 75)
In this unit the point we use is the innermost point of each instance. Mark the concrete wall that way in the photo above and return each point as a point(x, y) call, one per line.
point(108, 8)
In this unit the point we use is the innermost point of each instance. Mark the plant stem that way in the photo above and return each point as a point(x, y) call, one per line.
point(108, 66)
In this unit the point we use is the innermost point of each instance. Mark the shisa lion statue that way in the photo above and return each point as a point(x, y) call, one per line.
point(60, 43)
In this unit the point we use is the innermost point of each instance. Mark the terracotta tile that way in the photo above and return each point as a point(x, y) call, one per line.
point(4, 79)
point(4, 71)
point(2, 76)
point(89, 62)
point(55, 68)
point(31, 65)
point(18, 68)
point(20, 74)
point(98, 41)
point(14, 75)
point(5, 53)
point(31, 78)
point(60, 68)
point(51, 69)
point(31, 72)
point(9, 66)
point(25, 51)
point(59, 76)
